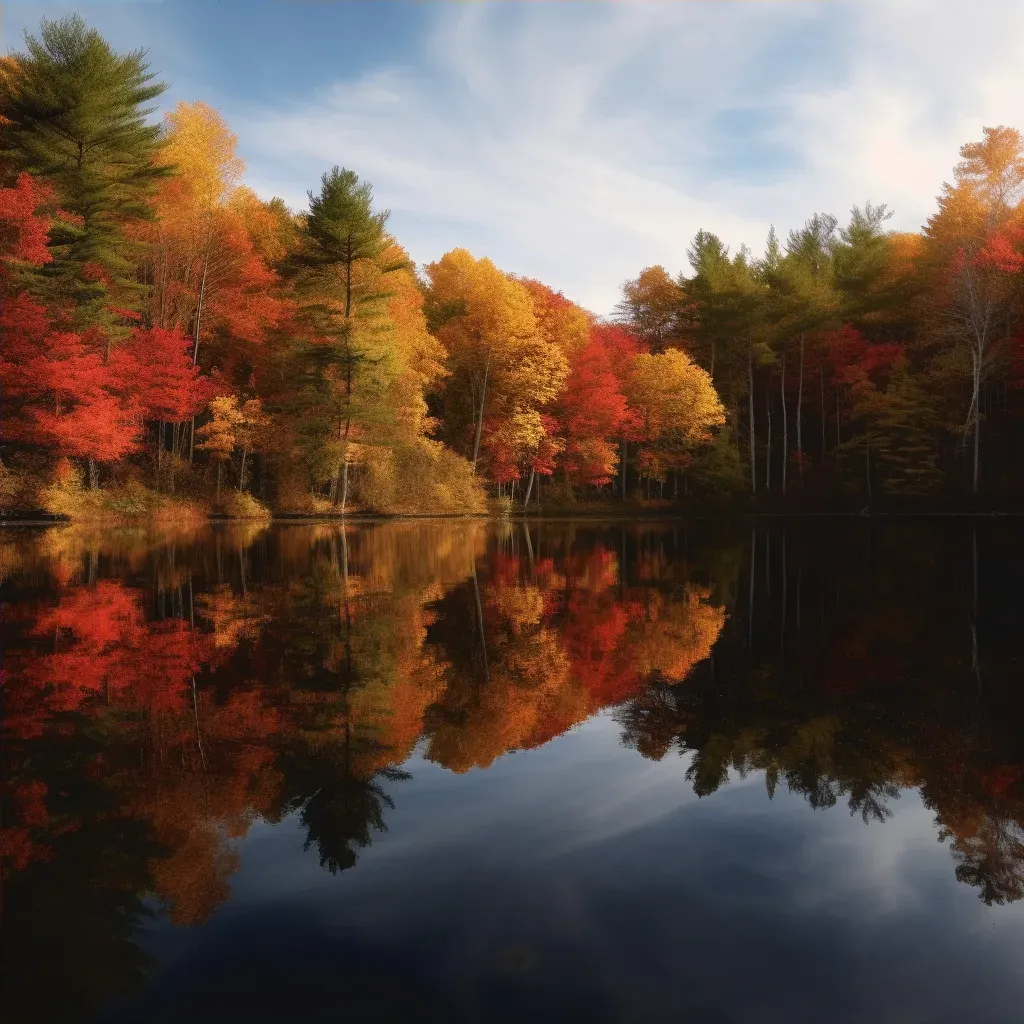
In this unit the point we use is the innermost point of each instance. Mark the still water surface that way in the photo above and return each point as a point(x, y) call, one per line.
point(470, 772)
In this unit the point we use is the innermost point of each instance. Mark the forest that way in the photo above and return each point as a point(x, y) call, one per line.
point(173, 345)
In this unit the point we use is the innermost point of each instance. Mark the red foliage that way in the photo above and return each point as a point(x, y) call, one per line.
point(853, 357)
point(1002, 253)
point(620, 345)
point(591, 410)
point(58, 391)
point(242, 303)
point(155, 366)
point(23, 232)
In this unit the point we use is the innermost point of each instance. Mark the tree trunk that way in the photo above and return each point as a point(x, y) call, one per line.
point(480, 414)
point(785, 422)
point(768, 428)
point(839, 436)
point(529, 487)
point(202, 293)
point(93, 476)
point(622, 466)
point(800, 414)
point(344, 486)
point(753, 432)
point(867, 460)
point(220, 467)
point(821, 377)
point(977, 445)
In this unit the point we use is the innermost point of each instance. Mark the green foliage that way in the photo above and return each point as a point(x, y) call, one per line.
point(717, 470)
point(341, 226)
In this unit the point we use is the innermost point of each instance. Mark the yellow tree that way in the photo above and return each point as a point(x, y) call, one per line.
point(677, 405)
point(232, 426)
point(211, 242)
point(200, 148)
point(502, 370)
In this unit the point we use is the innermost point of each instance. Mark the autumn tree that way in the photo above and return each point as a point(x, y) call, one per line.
point(234, 425)
point(503, 373)
point(155, 365)
point(593, 414)
point(208, 277)
point(677, 406)
point(974, 248)
point(651, 307)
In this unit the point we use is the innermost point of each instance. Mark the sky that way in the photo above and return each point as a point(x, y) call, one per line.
point(578, 141)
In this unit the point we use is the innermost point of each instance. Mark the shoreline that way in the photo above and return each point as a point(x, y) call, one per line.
point(593, 515)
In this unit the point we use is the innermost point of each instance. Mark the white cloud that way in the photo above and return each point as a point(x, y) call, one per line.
point(578, 143)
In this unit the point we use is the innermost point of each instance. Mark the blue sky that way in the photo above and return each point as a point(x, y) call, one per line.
point(580, 141)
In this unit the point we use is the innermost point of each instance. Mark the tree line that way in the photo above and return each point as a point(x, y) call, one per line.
point(173, 344)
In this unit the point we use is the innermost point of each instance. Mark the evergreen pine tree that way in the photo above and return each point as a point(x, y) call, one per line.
point(77, 119)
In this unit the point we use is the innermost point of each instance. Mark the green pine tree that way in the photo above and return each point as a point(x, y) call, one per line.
point(340, 232)
point(78, 121)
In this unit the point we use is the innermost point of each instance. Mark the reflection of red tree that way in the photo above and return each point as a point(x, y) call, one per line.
point(17, 846)
point(104, 652)
point(196, 770)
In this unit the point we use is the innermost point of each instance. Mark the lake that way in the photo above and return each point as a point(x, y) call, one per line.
point(463, 771)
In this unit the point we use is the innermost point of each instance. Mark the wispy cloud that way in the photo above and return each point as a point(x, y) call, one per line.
point(581, 145)
point(580, 142)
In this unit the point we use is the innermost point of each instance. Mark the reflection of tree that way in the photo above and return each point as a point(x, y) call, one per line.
point(339, 813)
point(561, 644)
point(843, 689)
point(74, 876)
point(989, 855)
point(161, 694)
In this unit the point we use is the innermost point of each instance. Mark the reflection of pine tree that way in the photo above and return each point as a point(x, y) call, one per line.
point(341, 813)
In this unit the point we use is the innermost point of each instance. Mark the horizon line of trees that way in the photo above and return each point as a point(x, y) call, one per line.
point(168, 336)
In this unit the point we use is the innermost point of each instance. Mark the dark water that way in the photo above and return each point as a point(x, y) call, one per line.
point(467, 772)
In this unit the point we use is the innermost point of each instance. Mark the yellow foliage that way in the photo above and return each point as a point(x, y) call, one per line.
point(201, 147)
point(421, 477)
point(674, 395)
point(241, 505)
point(497, 354)
point(130, 502)
point(561, 323)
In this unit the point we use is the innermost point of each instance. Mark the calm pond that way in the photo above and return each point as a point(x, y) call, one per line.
point(469, 772)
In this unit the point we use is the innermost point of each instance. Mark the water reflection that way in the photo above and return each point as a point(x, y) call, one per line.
point(162, 693)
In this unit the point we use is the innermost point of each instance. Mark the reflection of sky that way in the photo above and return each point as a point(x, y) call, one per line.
point(580, 878)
